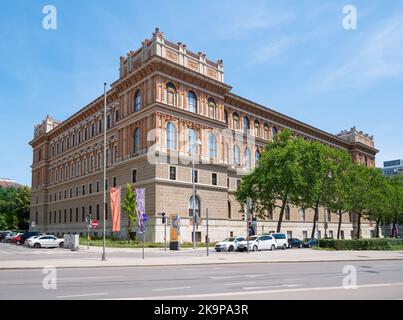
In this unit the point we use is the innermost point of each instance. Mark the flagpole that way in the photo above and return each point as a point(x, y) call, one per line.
point(104, 218)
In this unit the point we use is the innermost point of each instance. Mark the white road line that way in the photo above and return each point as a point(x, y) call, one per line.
point(83, 295)
point(167, 289)
point(226, 277)
point(280, 286)
point(238, 283)
point(91, 278)
point(243, 293)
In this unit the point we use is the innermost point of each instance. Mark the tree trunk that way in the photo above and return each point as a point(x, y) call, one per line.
point(128, 230)
point(315, 219)
point(359, 226)
point(339, 226)
point(280, 218)
point(378, 222)
point(394, 227)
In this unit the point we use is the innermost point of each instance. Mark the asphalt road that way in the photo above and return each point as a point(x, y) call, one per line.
point(309, 280)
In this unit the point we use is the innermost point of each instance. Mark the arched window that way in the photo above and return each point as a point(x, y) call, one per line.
point(237, 158)
point(170, 94)
point(257, 127)
point(247, 158)
point(274, 132)
point(235, 118)
point(212, 146)
point(229, 210)
point(171, 136)
point(192, 102)
point(226, 116)
point(257, 157)
point(192, 138)
point(136, 141)
point(196, 205)
point(137, 101)
point(266, 131)
point(227, 153)
point(245, 125)
point(211, 108)
point(287, 212)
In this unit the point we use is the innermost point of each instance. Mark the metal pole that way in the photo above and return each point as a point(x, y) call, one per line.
point(144, 237)
point(207, 239)
point(165, 232)
point(194, 200)
point(88, 236)
point(104, 218)
point(247, 223)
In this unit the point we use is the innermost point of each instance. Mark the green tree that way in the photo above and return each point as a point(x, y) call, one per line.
point(395, 201)
point(276, 180)
point(319, 172)
point(129, 205)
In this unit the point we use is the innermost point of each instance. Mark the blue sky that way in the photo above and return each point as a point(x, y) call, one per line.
point(293, 56)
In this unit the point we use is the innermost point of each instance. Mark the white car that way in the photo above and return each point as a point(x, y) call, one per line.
point(281, 239)
point(228, 244)
point(256, 243)
point(46, 241)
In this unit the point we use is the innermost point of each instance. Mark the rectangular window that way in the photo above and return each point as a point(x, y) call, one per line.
point(97, 211)
point(76, 191)
point(71, 193)
point(83, 190)
point(65, 215)
point(71, 215)
point(134, 176)
point(50, 217)
point(108, 121)
point(238, 183)
point(65, 194)
point(90, 188)
point(227, 182)
point(54, 216)
point(60, 195)
point(76, 214)
point(106, 184)
point(172, 173)
point(106, 211)
point(342, 234)
point(117, 116)
point(90, 210)
point(289, 234)
point(352, 234)
point(331, 234)
point(83, 214)
point(195, 176)
point(50, 198)
point(114, 182)
point(214, 179)
point(97, 186)
point(304, 234)
point(60, 216)
point(92, 130)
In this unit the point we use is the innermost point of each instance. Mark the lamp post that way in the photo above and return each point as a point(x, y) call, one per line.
point(192, 147)
point(104, 218)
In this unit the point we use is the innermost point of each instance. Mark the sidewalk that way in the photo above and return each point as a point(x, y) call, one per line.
point(123, 257)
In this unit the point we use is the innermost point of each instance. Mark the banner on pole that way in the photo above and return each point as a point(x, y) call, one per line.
point(175, 227)
point(115, 208)
point(140, 209)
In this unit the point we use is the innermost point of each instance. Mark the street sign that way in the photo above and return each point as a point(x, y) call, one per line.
point(95, 224)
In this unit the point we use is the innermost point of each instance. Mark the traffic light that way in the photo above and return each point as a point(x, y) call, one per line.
point(243, 217)
point(163, 218)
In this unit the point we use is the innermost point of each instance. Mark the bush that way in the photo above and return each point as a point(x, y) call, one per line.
point(362, 244)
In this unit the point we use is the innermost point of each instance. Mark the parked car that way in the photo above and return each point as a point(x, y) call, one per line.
point(281, 239)
point(45, 241)
point(27, 235)
point(310, 242)
point(294, 243)
point(9, 236)
point(3, 234)
point(228, 244)
point(16, 238)
point(256, 243)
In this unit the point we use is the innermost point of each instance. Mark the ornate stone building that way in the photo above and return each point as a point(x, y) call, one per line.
point(167, 97)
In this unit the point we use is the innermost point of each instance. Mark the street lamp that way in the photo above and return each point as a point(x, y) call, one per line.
point(192, 148)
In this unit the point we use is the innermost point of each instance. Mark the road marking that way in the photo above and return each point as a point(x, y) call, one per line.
point(83, 295)
point(243, 293)
point(280, 286)
point(90, 278)
point(167, 289)
point(238, 283)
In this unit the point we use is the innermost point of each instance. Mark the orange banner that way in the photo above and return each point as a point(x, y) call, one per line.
point(115, 208)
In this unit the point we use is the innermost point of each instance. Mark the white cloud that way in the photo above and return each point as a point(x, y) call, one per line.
point(379, 58)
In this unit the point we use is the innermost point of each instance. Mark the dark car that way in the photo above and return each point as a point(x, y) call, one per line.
point(309, 243)
point(27, 235)
point(3, 234)
point(294, 243)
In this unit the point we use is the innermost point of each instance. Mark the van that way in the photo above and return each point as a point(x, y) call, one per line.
point(281, 239)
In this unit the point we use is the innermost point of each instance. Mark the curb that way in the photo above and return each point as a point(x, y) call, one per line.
point(202, 264)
